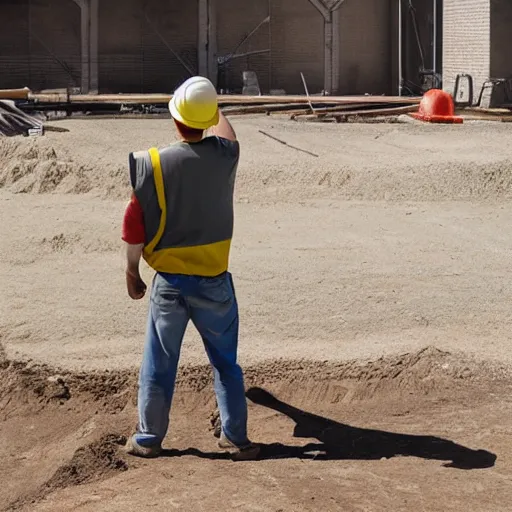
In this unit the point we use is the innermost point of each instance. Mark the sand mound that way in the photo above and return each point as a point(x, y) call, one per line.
point(38, 167)
point(363, 162)
point(31, 167)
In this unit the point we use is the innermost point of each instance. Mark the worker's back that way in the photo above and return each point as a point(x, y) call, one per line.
point(198, 181)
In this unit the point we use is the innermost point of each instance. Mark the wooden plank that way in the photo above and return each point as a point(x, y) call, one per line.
point(337, 108)
point(160, 99)
point(289, 108)
point(492, 118)
point(14, 94)
point(360, 113)
point(485, 111)
point(264, 109)
point(49, 97)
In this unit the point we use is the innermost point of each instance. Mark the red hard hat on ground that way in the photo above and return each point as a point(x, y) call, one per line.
point(437, 106)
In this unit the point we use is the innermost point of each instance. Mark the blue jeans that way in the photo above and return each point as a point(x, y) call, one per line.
point(211, 305)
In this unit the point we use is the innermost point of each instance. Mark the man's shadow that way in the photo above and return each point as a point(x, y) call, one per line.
point(339, 441)
point(344, 442)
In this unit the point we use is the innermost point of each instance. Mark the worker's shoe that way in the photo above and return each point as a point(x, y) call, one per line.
point(141, 447)
point(248, 451)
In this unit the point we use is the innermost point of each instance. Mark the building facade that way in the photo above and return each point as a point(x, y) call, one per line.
point(477, 41)
point(341, 46)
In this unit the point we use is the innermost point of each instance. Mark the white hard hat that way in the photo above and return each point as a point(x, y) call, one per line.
point(194, 104)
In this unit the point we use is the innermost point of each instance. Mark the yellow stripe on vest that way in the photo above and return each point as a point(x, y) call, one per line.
point(201, 260)
point(160, 192)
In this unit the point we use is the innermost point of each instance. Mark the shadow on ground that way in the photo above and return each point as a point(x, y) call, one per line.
point(344, 442)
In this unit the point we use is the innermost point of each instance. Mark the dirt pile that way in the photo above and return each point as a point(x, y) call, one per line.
point(24, 384)
point(405, 163)
point(80, 420)
point(40, 167)
point(425, 372)
point(29, 167)
point(94, 462)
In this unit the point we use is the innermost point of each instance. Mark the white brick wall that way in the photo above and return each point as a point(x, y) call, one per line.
point(467, 42)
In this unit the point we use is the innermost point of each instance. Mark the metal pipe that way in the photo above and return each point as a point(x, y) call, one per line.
point(400, 70)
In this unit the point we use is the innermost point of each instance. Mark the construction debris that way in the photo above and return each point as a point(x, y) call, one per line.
point(345, 115)
point(297, 106)
point(14, 121)
point(286, 143)
point(307, 92)
point(240, 99)
point(305, 107)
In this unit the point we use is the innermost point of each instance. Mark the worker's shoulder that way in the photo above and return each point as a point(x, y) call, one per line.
point(231, 147)
point(209, 146)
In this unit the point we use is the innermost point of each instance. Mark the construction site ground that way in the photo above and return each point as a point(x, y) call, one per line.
point(374, 284)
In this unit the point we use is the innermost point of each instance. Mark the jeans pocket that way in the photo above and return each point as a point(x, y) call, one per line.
point(163, 294)
point(216, 289)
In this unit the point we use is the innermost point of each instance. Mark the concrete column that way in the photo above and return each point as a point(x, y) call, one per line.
point(212, 42)
point(84, 43)
point(335, 87)
point(207, 40)
point(85, 48)
point(328, 47)
point(202, 38)
point(331, 44)
point(322, 9)
point(93, 53)
point(335, 49)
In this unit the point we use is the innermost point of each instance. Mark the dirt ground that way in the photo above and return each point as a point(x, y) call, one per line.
point(374, 286)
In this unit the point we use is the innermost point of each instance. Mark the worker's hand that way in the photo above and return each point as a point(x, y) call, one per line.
point(135, 285)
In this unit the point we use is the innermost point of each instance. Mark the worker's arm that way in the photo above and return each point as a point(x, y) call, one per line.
point(133, 235)
point(223, 129)
point(134, 283)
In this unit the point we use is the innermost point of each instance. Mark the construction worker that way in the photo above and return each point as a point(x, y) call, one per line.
point(180, 219)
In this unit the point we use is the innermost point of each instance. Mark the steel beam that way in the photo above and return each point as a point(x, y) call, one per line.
point(93, 39)
point(84, 43)
point(331, 44)
point(207, 40)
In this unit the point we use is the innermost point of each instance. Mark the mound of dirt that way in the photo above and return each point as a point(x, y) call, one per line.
point(94, 462)
point(39, 167)
point(428, 371)
point(91, 413)
point(23, 384)
point(27, 166)
point(363, 162)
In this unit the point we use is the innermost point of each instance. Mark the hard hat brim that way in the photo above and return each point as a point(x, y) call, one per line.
point(192, 124)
